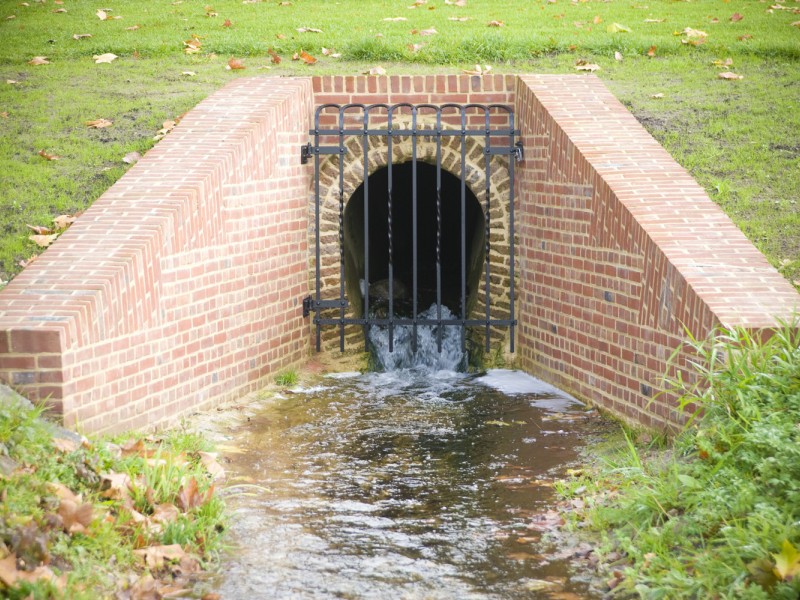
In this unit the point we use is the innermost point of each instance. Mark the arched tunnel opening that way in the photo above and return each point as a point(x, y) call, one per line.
point(402, 241)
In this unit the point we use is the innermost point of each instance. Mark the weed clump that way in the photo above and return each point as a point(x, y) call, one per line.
point(717, 515)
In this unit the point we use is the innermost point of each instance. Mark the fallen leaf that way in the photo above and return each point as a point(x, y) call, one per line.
point(63, 222)
point(154, 557)
point(62, 491)
point(462, 19)
point(597, 20)
point(102, 15)
point(209, 461)
point(478, 70)
point(617, 55)
point(280, 36)
point(651, 52)
point(418, 3)
point(736, 17)
point(80, 36)
point(456, 2)
point(376, 71)
point(59, 10)
point(729, 75)
point(189, 495)
point(99, 124)
point(724, 64)
point(10, 575)
point(116, 486)
point(12, 81)
point(39, 60)
point(654, 20)
point(394, 19)
point(274, 58)
point(9, 17)
point(748, 36)
point(227, 23)
point(657, 96)
point(415, 47)
point(617, 28)
point(692, 33)
point(787, 562)
point(495, 24)
point(40, 230)
point(105, 58)
point(188, 73)
point(427, 32)
point(795, 24)
point(43, 240)
point(307, 58)
point(234, 64)
point(133, 28)
point(165, 513)
point(47, 156)
point(210, 12)
point(76, 517)
point(498, 423)
point(4, 114)
point(24, 263)
point(309, 30)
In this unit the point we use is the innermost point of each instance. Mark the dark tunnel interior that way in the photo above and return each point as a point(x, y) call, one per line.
point(402, 237)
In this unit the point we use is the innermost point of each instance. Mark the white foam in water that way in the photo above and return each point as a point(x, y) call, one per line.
point(516, 382)
point(427, 355)
point(343, 375)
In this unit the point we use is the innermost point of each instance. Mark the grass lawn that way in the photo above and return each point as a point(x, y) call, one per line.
point(739, 138)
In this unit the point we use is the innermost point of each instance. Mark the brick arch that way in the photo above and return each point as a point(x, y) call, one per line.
point(402, 152)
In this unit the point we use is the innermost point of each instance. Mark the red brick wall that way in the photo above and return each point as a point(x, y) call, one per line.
point(620, 249)
point(180, 286)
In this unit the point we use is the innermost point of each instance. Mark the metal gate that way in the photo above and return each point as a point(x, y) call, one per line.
point(344, 122)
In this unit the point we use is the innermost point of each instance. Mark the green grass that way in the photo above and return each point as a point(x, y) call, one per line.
point(96, 561)
point(738, 138)
point(286, 378)
point(714, 514)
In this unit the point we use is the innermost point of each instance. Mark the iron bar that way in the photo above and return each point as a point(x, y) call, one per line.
point(341, 227)
point(419, 321)
point(511, 259)
point(487, 230)
point(463, 228)
point(365, 148)
point(414, 225)
point(389, 163)
point(439, 227)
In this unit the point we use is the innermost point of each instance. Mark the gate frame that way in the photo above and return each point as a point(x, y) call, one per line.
point(513, 149)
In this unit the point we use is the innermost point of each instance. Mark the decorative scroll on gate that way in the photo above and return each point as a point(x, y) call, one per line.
point(335, 128)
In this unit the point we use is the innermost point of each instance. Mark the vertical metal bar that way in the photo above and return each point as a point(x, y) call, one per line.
point(511, 165)
point(389, 228)
point(414, 224)
point(316, 223)
point(439, 228)
point(365, 148)
point(463, 228)
point(487, 230)
point(341, 229)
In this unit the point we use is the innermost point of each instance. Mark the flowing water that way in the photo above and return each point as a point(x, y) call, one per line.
point(410, 484)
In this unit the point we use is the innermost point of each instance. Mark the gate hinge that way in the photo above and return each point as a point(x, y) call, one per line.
point(519, 152)
point(309, 304)
point(306, 306)
point(306, 152)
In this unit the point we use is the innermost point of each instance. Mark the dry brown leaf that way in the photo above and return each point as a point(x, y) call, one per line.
point(4, 114)
point(209, 461)
point(729, 75)
point(12, 81)
point(654, 20)
point(99, 124)
point(309, 30)
point(47, 156)
point(597, 20)
point(131, 158)
point(80, 36)
point(165, 513)
point(57, 442)
point(280, 36)
point(748, 36)
point(39, 60)
point(426, 32)
point(795, 24)
point(105, 58)
point(307, 58)
point(376, 71)
point(395, 19)
point(135, 447)
point(693, 33)
point(415, 47)
point(651, 52)
point(43, 240)
point(63, 222)
point(618, 55)
point(62, 491)
point(456, 2)
point(227, 23)
point(210, 12)
point(116, 486)
point(10, 575)
point(59, 10)
point(462, 19)
point(133, 28)
point(274, 58)
point(234, 64)
point(75, 516)
point(24, 263)
point(102, 15)
point(495, 24)
point(189, 495)
point(478, 70)
point(154, 557)
point(736, 17)
point(657, 96)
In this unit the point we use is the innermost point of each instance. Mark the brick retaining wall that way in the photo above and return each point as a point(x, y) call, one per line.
point(180, 286)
